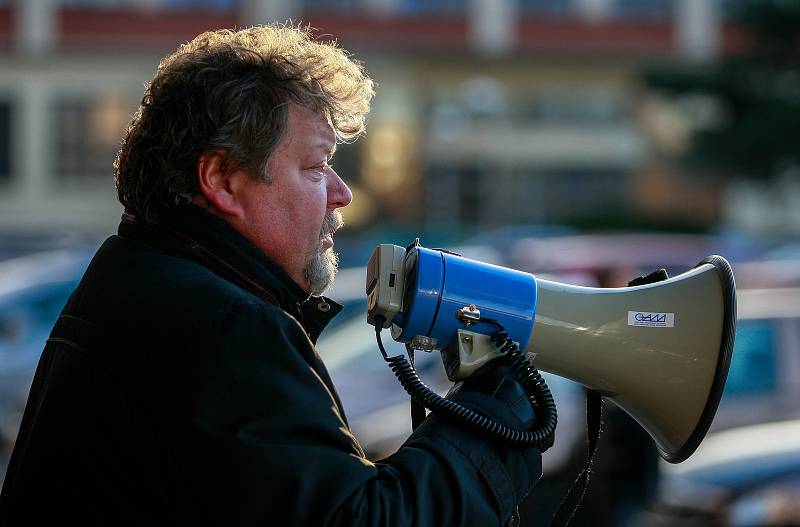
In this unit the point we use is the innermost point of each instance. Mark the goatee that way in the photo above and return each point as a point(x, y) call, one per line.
point(320, 271)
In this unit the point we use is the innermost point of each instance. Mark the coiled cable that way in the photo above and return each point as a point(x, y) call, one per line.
point(521, 370)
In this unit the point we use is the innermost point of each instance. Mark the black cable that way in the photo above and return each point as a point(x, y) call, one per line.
point(417, 410)
point(521, 369)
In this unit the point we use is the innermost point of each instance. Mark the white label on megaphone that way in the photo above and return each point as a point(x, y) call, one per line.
point(650, 319)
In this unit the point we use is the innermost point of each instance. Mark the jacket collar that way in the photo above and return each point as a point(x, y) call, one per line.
point(192, 231)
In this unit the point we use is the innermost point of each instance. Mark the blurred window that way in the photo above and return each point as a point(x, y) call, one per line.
point(625, 9)
point(642, 9)
point(590, 107)
point(149, 4)
point(451, 7)
point(5, 140)
point(569, 194)
point(554, 8)
point(753, 367)
point(454, 194)
point(732, 9)
point(480, 101)
point(441, 200)
point(470, 196)
point(207, 4)
point(526, 200)
point(88, 130)
point(397, 7)
point(332, 5)
point(479, 195)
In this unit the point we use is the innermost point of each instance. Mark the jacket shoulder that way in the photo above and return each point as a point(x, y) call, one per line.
point(142, 281)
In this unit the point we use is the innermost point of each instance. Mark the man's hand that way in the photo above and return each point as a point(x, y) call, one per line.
point(495, 380)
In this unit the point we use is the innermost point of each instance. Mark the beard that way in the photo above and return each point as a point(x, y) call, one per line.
point(320, 270)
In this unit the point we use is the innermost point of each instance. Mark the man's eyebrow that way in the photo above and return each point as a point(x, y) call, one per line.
point(326, 147)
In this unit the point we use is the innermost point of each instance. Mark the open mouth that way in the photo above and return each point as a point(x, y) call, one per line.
point(327, 241)
point(331, 223)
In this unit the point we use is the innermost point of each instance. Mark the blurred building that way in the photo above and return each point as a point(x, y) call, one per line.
point(488, 111)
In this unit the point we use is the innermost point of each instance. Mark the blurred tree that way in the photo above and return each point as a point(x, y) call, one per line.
point(755, 94)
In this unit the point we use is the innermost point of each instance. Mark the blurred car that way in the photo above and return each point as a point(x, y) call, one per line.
point(33, 290)
point(742, 477)
point(764, 378)
point(15, 242)
point(747, 470)
point(612, 259)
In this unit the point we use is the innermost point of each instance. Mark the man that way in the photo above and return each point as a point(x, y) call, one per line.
point(180, 384)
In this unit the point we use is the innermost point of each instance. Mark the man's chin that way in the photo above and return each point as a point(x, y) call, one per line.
point(321, 271)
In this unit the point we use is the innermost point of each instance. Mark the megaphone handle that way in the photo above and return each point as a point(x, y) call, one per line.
point(418, 413)
point(594, 424)
point(541, 436)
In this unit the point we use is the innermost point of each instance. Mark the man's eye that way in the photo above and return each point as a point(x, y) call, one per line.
point(317, 172)
point(322, 170)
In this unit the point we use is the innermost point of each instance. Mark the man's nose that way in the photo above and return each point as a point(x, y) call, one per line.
point(339, 194)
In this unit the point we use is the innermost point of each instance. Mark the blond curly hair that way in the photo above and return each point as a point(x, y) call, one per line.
point(229, 91)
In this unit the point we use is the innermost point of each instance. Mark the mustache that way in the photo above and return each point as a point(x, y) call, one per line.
point(332, 222)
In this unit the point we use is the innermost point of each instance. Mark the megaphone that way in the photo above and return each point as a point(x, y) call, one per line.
point(659, 351)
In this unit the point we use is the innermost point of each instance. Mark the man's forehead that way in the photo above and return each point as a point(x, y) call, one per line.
point(312, 127)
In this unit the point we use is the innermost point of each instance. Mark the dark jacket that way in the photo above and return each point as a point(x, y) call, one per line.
point(181, 385)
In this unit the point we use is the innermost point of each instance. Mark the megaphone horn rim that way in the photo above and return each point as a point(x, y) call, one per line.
point(723, 362)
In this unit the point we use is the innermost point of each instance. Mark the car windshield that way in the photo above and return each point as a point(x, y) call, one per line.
point(753, 364)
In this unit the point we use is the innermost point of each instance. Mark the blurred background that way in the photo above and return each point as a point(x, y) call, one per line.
point(586, 141)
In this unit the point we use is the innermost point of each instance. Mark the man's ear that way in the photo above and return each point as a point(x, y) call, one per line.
point(217, 185)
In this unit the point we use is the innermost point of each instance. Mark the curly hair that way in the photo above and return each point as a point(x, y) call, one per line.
point(229, 91)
